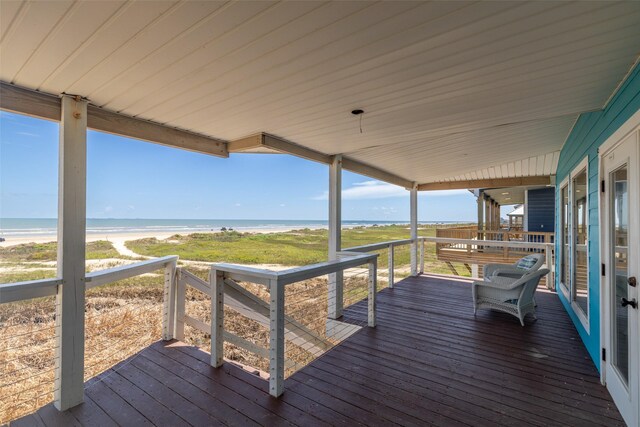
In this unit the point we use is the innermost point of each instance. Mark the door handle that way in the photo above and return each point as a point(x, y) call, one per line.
point(625, 302)
point(632, 282)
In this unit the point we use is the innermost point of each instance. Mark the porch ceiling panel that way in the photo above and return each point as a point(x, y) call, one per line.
point(449, 89)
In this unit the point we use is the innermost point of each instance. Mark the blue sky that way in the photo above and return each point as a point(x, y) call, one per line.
point(127, 178)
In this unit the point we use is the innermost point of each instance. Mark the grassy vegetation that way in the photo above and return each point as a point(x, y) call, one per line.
point(298, 247)
point(100, 249)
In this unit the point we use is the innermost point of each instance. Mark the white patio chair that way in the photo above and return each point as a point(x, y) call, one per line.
point(507, 295)
point(523, 266)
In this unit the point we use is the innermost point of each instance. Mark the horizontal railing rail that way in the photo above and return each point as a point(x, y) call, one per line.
point(475, 251)
point(390, 246)
point(30, 289)
point(110, 275)
point(223, 285)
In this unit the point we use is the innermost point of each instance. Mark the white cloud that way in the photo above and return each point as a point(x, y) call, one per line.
point(282, 205)
point(108, 209)
point(382, 190)
point(368, 190)
point(237, 205)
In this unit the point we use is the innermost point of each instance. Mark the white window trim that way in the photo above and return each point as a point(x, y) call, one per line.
point(584, 317)
point(565, 288)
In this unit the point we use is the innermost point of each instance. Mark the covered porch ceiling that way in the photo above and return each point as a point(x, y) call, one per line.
point(452, 91)
point(510, 195)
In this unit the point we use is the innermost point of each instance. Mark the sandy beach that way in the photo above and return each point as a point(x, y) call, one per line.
point(118, 239)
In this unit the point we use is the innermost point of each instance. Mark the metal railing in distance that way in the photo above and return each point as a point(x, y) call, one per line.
point(391, 247)
point(293, 312)
point(29, 336)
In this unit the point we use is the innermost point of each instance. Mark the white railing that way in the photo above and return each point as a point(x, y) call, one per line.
point(473, 244)
point(390, 246)
point(224, 290)
point(28, 290)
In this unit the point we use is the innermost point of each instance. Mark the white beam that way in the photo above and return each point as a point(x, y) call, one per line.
point(488, 183)
point(70, 304)
point(46, 106)
point(335, 297)
point(265, 143)
point(413, 200)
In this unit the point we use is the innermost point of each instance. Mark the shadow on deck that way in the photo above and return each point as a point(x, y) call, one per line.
point(428, 362)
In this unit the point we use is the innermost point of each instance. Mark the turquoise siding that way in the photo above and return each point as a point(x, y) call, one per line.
point(589, 133)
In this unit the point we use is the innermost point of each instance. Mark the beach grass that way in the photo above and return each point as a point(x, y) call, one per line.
point(100, 249)
point(291, 248)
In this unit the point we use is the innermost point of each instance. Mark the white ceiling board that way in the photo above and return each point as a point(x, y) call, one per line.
point(451, 90)
point(365, 77)
point(10, 16)
point(88, 21)
point(25, 36)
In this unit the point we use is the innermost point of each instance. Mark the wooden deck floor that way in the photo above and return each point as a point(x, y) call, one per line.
point(428, 362)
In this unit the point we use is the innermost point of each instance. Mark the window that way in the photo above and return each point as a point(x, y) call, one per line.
point(580, 283)
point(574, 241)
point(564, 238)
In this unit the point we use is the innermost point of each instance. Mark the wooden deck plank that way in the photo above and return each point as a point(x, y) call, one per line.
point(154, 411)
point(428, 362)
point(118, 408)
point(89, 413)
point(171, 400)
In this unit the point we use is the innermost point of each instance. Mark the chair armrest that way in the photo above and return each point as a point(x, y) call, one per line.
point(489, 269)
point(510, 271)
point(502, 283)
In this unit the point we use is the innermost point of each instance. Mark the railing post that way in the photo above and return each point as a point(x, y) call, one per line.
point(373, 284)
point(180, 308)
point(421, 255)
point(70, 299)
point(551, 279)
point(276, 338)
point(391, 266)
point(216, 282)
point(169, 301)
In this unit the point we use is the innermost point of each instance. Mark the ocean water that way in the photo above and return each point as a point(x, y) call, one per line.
point(24, 227)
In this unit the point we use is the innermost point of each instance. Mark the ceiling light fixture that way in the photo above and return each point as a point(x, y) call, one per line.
point(505, 194)
point(358, 112)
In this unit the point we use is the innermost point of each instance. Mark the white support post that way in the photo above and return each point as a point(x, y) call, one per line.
point(413, 200)
point(216, 280)
point(336, 282)
point(70, 299)
point(169, 302)
point(480, 210)
point(181, 297)
point(373, 285)
point(276, 338)
point(422, 256)
point(391, 266)
point(487, 217)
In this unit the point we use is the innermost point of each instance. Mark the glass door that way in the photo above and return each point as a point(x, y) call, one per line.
point(620, 253)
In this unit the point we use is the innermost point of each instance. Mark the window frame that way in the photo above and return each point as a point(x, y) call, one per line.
point(564, 287)
point(584, 317)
